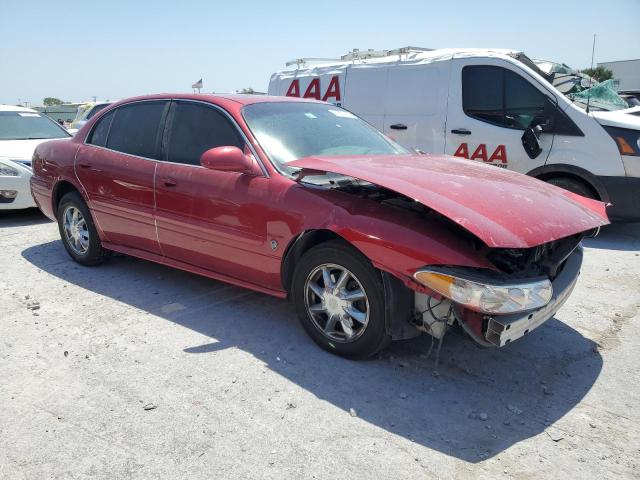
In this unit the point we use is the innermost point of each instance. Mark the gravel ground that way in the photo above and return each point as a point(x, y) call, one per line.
point(134, 370)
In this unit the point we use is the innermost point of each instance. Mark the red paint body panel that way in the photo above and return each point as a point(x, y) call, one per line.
point(502, 208)
point(216, 220)
point(120, 189)
point(222, 224)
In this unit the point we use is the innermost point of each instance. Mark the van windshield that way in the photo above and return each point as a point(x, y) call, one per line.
point(288, 131)
point(575, 85)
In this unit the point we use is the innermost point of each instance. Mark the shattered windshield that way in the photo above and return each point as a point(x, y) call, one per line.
point(578, 87)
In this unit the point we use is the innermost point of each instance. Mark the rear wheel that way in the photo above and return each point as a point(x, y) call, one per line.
point(78, 232)
point(574, 186)
point(339, 299)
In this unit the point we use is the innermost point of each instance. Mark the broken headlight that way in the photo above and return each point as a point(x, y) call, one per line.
point(497, 298)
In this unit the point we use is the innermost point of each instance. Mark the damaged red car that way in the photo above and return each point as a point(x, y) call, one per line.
point(302, 199)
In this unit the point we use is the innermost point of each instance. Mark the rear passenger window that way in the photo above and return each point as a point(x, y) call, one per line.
point(101, 130)
point(196, 128)
point(500, 96)
point(134, 129)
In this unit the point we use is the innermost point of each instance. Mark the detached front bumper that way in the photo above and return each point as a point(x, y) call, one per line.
point(499, 330)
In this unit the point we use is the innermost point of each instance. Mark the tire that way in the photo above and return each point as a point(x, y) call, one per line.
point(574, 186)
point(337, 323)
point(78, 233)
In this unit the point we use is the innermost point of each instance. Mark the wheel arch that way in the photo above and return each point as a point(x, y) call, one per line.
point(546, 172)
point(301, 244)
point(60, 189)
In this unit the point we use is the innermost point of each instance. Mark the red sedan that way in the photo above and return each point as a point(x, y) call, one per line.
point(304, 200)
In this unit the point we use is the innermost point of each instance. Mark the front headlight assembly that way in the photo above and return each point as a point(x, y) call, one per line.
point(627, 140)
point(7, 170)
point(492, 298)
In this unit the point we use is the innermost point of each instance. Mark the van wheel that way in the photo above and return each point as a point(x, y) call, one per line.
point(574, 186)
point(340, 302)
point(78, 232)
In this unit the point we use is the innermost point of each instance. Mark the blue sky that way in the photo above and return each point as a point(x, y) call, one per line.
point(114, 49)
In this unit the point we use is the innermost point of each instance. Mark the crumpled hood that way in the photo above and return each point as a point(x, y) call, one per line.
point(502, 208)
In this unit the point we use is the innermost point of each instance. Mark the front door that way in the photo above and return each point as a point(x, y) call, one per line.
point(116, 168)
point(211, 219)
point(489, 108)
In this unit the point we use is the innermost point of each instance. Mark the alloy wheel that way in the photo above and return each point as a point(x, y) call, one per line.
point(76, 230)
point(336, 302)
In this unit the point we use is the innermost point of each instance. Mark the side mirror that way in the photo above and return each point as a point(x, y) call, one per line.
point(226, 159)
point(531, 141)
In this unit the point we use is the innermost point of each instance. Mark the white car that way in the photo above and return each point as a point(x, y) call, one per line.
point(21, 131)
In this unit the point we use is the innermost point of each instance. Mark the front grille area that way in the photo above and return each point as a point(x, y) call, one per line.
point(545, 259)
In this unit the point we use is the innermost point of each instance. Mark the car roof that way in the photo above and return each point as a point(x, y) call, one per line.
point(241, 99)
point(13, 108)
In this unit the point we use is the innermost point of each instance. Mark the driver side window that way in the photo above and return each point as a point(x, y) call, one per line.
point(501, 97)
point(197, 127)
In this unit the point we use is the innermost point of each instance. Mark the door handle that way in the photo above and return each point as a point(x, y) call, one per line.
point(398, 126)
point(461, 131)
point(84, 165)
point(169, 182)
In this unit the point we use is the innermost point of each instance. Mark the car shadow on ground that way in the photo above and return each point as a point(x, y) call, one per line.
point(22, 218)
point(477, 403)
point(619, 236)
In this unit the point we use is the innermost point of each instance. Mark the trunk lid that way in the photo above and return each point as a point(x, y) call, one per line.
point(502, 208)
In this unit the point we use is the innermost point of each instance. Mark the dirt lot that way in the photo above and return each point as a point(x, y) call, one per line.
point(134, 370)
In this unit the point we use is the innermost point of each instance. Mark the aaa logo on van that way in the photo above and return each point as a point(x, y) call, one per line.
point(480, 153)
point(313, 90)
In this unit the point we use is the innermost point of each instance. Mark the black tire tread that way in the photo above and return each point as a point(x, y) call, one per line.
point(96, 253)
point(375, 337)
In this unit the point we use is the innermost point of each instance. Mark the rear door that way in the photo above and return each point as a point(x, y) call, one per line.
point(364, 91)
point(416, 105)
point(211, 219)
point(489, 107)
point(116, 167)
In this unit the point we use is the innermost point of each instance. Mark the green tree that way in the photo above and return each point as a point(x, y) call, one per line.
point(600, 74)
point(51, 101)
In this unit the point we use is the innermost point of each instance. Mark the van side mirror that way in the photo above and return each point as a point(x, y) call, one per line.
point(226, 159)
point(531, 141)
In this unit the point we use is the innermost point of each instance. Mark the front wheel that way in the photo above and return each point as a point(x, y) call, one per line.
point(574, 186)
point(340, 301)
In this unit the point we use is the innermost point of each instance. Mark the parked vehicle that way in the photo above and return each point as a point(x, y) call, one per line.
point(21, 130)
point(303, 199)
point(85, 113)
point(493, 106)
point(631, 97)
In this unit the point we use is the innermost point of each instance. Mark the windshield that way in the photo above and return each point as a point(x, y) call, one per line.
point(288, 131)
point(28, 126)
point(578, 86)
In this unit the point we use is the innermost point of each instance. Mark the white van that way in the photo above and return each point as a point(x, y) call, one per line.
point(493, 106)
